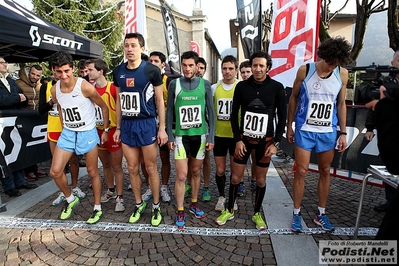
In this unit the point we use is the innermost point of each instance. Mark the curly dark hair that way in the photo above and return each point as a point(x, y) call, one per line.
point(60, 59)
point(335, 50)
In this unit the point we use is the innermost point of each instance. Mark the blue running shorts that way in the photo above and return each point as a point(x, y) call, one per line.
point(80, 142)
point(320, 142)
point(139, 132)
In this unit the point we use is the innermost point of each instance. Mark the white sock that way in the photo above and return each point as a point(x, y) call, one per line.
point(70, 198)
point(321, 210)
point(97, 207)
point(155, 206)
point(297, 211)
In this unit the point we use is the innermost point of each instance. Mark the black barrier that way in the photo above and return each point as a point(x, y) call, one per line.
point(23, 139)
point(359, 154)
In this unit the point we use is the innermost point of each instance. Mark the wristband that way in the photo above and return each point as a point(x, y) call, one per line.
point(118, 128)
point(343, 133)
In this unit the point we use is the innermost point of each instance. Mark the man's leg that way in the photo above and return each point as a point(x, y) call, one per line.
point(116, 162)
point(220, 177)
point(302, 159)
point(132, 155)
point(150, 154)
point(105, 158)
point(180, 187)
point(165, 172)
point(206, 170)
point(60, 159)
point(92, 170)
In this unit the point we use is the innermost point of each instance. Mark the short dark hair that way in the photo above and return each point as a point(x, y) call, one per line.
point(60, 58)
point(190, 55)
point(37, 67)
point(335, 49)
point(202, 60)
point(144, 57)
point(82, 64)
point(137, 36)
point(99, 64)
point(231, 59)
point(161, 56)
point(262, 55)
point(245, 64)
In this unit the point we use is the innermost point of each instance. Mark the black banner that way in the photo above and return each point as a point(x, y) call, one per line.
point(250, 24)
point(359, 154)
point(171, 38)
point(23, 139)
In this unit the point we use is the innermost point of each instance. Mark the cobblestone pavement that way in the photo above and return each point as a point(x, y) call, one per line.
point(95, 247)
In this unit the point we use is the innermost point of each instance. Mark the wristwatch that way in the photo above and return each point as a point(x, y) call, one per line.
point(276, 143)
point(106, 130)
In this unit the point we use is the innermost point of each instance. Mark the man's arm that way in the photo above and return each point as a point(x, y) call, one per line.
point(210, 111)
point(159, 101)
point(234, 118)
point(44, 106)
point(170, 110)
point(341, 109)
point(281, 114)
point(293, 102)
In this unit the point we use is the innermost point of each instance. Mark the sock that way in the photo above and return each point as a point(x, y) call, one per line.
point(138, 205)
point(321, 210)
point(221, 183)
point(232, 196)
point(120, 196)
point(194, 201)
point(205, 188)
point(297, 211)
point(97, 207)
point(180, 209)
point(155, 206)
point(70, 198)
point(111, 189)
point(259, 195)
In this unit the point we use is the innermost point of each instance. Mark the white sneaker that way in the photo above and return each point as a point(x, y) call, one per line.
point(164, 194)
point(147, 195)
point(120, 205)
point(220, 206)
point(59, 200)
point(108, 195)
point(78, 193)
point(129, 187)
point(235, 205)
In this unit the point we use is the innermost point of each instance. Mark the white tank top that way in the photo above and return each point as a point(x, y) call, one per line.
point(78, 112)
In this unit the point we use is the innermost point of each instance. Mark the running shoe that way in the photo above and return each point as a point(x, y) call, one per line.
point(188, 191)
point(108, 196)
point(129, 187)
point(59, 200)
point(253, 185)
point(95, 217)
point(40, 174)
point(206, 196)
point(136, 215)
point(30, 176)
point(296, 225)
point(259, 222)
point(195, 209)
point(235, 207)
point(120, 205)
point(324, 222)
point(164, 194)
point(68, 208)
point(78, 193)
point(241, 190)
point(220, 206)
point(224, 217)
point(156, 216)
point(147, 195)
point(180, 219)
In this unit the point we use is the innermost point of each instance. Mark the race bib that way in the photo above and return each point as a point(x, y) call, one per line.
point(190, 116)
point(255, 125)
point(224, 106)
point(99, 116)
point(320, 113)
point(130, 103)
point(72, 117)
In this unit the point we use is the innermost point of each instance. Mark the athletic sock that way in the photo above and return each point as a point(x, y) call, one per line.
point(221, 183)
point(259, 195)
point(232, 196)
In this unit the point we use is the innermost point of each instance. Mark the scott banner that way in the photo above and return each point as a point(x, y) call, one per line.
point(250, 24)
point(171, 38)
point(23, 140)
point(295, 31)
point(135, 17)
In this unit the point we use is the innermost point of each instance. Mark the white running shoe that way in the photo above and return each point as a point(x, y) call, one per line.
point(59, 200)
point(120, 205)
point(164, 194)
point(147, 195)
point(220, 206)
point(235, 205)
point(78, 193)
point(108, 195)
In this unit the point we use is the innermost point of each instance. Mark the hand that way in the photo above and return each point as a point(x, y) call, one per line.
point(270, 151)
point(171, 145)
point(290, 135)
point(372, 104)
point(369, 135)
point(117, 135)
point(104, 137)
point(240, 150)
point(209, 146)
point(162, 137)
point(22, 97)
point(342, 143)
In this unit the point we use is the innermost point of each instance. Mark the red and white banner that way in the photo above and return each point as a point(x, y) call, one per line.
point(194, 46)
point(135, 18)
point(294, 37)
